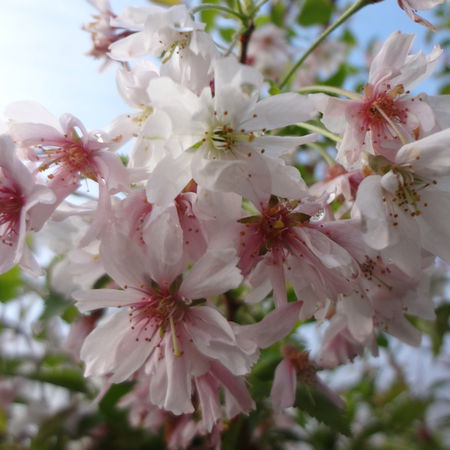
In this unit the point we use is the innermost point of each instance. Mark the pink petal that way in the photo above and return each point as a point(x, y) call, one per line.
point(284, 386)
point(214, 273)
point(274, 327)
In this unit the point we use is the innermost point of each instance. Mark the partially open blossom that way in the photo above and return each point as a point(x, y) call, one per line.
point(103, 33)
point(295, 367)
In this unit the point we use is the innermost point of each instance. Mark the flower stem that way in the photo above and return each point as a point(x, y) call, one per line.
point(359, 4)
point(257, 7)
point(328, 159)
point(320, 130)
point(329, 90)
point(219, 8)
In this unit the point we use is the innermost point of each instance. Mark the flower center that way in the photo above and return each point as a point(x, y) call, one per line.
point(156, 314)
point(381, 109)
point(73, 157)
point(11, 203)
point(221, 138)
point(178, 41)
point(274, 225)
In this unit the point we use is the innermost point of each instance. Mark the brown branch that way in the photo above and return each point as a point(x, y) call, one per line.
point(245, 41)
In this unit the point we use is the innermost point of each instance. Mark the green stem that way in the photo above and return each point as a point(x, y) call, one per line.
point(329, 90)
point(219, 8)
point(329, 160)
point(239, 6)
point(322, 131)
point(257, 7)
point(359, 4)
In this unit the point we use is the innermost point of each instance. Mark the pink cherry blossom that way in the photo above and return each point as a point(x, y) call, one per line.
point(284, 242)
point(407, 204)
point(158, 325)
point(383, 118)
point(21, 200)
point(103, 34)
point(67, 152)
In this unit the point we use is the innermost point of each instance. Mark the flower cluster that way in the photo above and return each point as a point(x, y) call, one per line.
point(209, 202)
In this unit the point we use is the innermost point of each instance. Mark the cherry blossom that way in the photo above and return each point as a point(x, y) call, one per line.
point(385, 117)
point(284, 242)
point(163, 329)
point(21, 200)
point(219, 136)
point(407, 212)
point(67, 152)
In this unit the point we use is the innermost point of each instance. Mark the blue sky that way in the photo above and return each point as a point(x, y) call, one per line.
point(43, 51)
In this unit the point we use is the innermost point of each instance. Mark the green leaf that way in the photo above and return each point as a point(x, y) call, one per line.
point(273, 89)
point(227, 34)
point(405, 413)
point(277, 12)
point(338, 78)
point(52, 434)
point(10, 283)
point(9, 366)
point(445, 90)
point(114, 394)
point(313, 402)
point(382, 340)
point(167, 2)
point(70, 314)
point(315, 12)
point(208, 16)
point(348, 37)
point(54, 305)
point(68, 378)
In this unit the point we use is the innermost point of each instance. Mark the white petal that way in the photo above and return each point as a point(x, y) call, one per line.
point(391, 57)
point(130, 47)
point(28, 111)
point(280, 110)
point(99, 348)
point(214, 273)
point(123, 260)
point(250, 179)
point(376, 229)
point(429, 156)
point(179, 386)
point(164, 238)
point(168, 179)
point(276, 146)
point(105, 298)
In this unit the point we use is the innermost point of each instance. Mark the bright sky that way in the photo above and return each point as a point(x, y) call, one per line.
point(43, 52)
